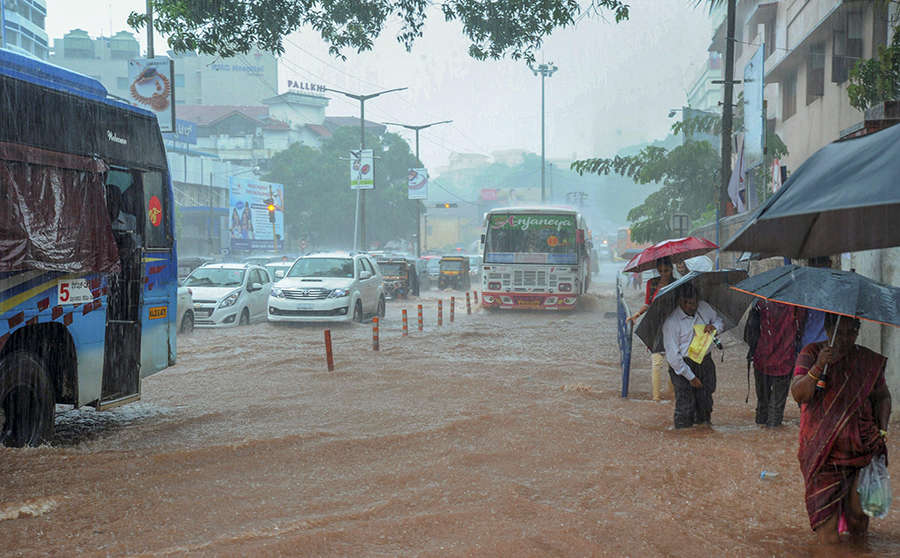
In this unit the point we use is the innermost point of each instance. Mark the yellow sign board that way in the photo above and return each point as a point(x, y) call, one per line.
point(158, 312)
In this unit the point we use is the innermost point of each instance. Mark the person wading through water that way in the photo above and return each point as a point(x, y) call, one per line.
point(658, 359)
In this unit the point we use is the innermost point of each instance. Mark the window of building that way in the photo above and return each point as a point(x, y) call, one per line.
point(770, 38)
point(847, 44)
point(789, 97)
point(815, 72)
point(12, 37)
point(122, 83)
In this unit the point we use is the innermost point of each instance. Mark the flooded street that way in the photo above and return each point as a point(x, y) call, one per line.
point(501, 434)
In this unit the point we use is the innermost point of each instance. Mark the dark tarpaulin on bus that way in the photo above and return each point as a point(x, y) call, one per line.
point(54, 212)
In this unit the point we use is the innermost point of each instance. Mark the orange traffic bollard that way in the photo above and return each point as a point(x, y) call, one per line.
point(476, 296)
point(329, 356)
point(468, 303)
point(452, 308)
point(421, 322)
point(405, 324)
point(440, 312)
point(375, 346)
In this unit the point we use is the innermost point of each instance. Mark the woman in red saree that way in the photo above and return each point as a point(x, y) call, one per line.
point(841, 427)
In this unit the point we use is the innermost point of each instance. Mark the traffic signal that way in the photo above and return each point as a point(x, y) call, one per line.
point(270, 206)
point(445, 205)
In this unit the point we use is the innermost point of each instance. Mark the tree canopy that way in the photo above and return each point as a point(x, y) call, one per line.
point(319, 204)
point(495, 28)
point(878, 79)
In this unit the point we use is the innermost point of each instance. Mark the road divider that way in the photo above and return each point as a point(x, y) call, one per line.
point(421, 322)
point(329, 356)
point(468, 304)
point(440, 312)
point(375, 346)
point(405, 324)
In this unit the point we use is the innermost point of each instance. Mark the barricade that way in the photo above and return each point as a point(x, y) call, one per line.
point(452, 308)
point(405, 324)
point(329, 356)
point(440, 312)
point(375, 346)
point(468, 303)
point(421, 323)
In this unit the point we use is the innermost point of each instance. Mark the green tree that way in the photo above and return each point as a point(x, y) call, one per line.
point(494, 27)
point(319, 205)
point(877, 80)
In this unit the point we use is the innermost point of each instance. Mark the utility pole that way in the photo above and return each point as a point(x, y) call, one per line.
point(149, 30)
point(546, 70)
point(419, 202)
point(359, 236)
point(727, 121)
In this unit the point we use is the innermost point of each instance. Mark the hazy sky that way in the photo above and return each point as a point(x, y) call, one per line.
point(614, 87)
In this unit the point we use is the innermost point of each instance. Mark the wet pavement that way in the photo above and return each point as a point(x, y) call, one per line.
point(500, 434)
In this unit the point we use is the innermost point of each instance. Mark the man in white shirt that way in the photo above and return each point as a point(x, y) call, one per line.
point(694, 383)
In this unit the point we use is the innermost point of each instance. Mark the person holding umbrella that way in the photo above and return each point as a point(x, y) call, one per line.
point(694, 383)
point(841, 428)
point(657, 359)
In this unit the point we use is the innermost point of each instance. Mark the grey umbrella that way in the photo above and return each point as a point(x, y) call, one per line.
point(711, 286)
point(844, 198)
point(831, 290)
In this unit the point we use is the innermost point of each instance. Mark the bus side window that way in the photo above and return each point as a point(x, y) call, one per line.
point(156, 225)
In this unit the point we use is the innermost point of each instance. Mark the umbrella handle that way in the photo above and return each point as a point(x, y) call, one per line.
point(820, 383)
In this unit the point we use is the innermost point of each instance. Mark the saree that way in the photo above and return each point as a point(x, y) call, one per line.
point(838, 431)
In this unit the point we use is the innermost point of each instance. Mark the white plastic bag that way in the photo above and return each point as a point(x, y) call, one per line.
point(875, 488)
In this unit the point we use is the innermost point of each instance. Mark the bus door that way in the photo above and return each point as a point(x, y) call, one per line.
point(122, 350)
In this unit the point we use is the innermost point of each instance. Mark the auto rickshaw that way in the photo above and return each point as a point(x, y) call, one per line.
point(399, 277)
point(455, 273)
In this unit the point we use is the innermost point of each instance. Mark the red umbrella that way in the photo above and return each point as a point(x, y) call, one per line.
point(678, 249)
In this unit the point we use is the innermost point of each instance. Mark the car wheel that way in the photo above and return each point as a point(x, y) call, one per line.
point(381, 308)
point(357, 312)
point(187, 323)
point(245, 318)
point(26, 401)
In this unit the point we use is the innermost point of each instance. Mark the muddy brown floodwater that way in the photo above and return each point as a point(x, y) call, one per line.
point(501, 434)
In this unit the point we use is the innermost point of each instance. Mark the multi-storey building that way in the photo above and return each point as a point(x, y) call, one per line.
point(22, 27)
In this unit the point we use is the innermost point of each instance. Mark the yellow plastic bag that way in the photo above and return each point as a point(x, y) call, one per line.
point(700, 344)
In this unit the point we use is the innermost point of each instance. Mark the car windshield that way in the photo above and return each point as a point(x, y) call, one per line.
point(322, 267)
point(215, 277)
point(278, 270)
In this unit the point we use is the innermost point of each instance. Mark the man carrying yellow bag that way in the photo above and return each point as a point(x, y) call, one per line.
point(687, 336)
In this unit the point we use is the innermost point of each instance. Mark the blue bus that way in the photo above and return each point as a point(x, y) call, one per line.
point(88, 271)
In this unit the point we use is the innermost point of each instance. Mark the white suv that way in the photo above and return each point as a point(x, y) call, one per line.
point(332, 287)
point(227, 295)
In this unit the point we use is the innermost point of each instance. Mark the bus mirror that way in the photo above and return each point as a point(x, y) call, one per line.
point(579, 236)
point(482, 239)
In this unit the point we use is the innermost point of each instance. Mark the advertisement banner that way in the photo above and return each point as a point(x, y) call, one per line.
point(185, 132)
point(362, 170)
point(249, 216)
point(153, 88)
point(418, 184)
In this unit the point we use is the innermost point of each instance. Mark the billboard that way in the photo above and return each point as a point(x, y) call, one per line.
point(152, 87)
point(754, 117)
point(185, 132)
point(418, 184)
point(249, 216)
point(362, 170)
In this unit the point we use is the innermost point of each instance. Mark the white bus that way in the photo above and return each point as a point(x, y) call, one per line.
point(534, 258)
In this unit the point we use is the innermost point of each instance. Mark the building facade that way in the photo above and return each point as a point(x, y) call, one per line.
point(22, 27)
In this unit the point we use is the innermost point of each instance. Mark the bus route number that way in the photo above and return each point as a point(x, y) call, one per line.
point(74, 291)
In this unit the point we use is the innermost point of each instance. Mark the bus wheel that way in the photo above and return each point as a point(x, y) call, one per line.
point(26, 401)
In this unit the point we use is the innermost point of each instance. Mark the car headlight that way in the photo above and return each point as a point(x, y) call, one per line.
point(338, 293)
point(276, 292)
point(230, 299)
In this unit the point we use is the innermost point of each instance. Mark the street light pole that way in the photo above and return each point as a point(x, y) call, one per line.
point(419, 204)
point(546, 70)
point(359, 232)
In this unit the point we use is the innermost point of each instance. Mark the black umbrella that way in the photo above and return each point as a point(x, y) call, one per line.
point(711, 286)
point(844, 198)
point(831, 290)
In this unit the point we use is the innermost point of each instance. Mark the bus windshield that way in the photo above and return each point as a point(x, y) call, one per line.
point(530, 238)
point(215, 277)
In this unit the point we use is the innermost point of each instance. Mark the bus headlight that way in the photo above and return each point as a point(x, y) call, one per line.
point(494, 285)
point(564, 287)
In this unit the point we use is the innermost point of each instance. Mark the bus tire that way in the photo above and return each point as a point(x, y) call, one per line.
point(26, 401)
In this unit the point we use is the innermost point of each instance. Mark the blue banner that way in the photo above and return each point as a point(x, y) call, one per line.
point(185, 132)
point(624, 330)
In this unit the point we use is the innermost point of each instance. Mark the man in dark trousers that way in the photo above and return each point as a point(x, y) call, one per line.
point(694, 383)
point(772, 332)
